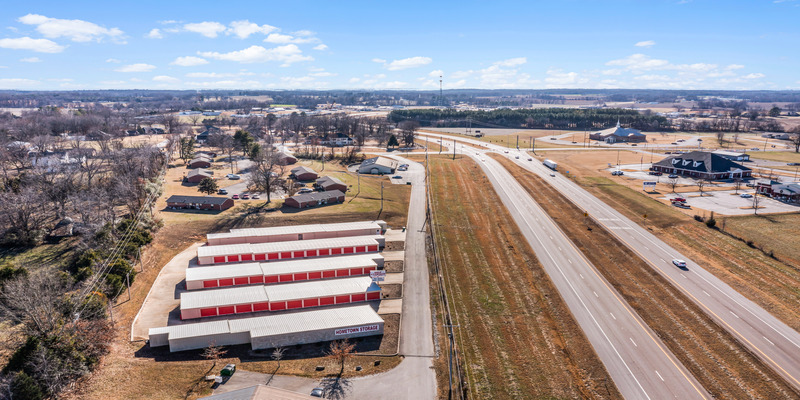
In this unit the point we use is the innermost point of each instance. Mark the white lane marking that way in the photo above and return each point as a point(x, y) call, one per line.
point(570, 261)
point(634, 343)
point(581, 275)
point(768, 341)
point(559, 248)
point(595, 294)
point(683, 275)
point(551, 238)
point(662, 260)
point(612, 316)
point(659, 375)
point(734, 314)
point(706, 293)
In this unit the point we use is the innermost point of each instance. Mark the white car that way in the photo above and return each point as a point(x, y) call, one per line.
point(745, 195)
point(233, 176)
point(517, 157)
point(679, 263)
point(505, 151)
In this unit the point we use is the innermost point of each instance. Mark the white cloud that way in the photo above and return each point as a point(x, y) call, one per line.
point(379, 60)
point(406, 63)
point(31, 60)
point(165, 79)
point(435, 73)
point(322, 74)
point(734, 66)
point(155, 33)
point(280, 38)
point(756, 75)
point(207, 29)
point(639, 62)
point(140, 67)
point(646, 43)
point(287, 54)
point(73, 29)
point(243, 29)
point(113, 60)
point(304, 32)
point(511, 62)
point(226, 84)
point(189, 61)
point(209, 75)
point(321, 47)
point(26, 43)
point(17, 83)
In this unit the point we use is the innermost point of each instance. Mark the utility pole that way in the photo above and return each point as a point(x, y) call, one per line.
point(617, 159)
point(454, 149)
point(517, 142)
point(441, 96)
point(765, 143)
point(128, 283)
point(141, 263)
point(382, 192)
point(359, 183)
point(533, 150)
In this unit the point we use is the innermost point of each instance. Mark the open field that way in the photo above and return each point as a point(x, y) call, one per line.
point(510, 140)
point(773, 233)
point(770, 283)
point(781, 156)
point(724, 367)
point(516, 336)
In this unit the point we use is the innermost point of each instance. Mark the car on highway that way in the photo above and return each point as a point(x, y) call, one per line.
point(222, 191)
point(674, 143)
point(235, 197)
point(672, 176)
point(233, 176)
point(530, 159)
point(245, 196)
point(552, 138)
point(505, 151)
point(745, 195)
point(679, 263)
point(397, 177)
point(552, 174)
point(793, 163)
point(517, 157)
point(754, 148)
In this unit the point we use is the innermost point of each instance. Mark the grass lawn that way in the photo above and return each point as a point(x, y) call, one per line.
point(782, 156)
point(776, 233)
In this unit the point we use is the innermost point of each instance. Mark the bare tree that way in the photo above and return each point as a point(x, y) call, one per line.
point(672, 182)
point(195, 118)
point(267, 173)
point(35, 301)
point(213, 353)
point(277, 355)
point(340, 351)
point(756, 202)
point(408, 130)
point(701, 184)
point(795, 139)
point(737, 185)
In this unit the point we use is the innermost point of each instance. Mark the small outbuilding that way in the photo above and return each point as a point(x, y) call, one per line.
point(199, 203)
point(197, 175)
point(199, 162)
point(328, 183)
point(286, 159)
point(732, 155)
point(314, 199)
point(378, 166)
point(302, 173)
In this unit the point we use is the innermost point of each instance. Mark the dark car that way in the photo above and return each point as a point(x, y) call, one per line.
point(222, 191)
point(672, 176)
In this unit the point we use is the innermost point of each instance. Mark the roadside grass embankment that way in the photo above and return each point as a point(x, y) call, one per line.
point(719, 362)
point(516, 336)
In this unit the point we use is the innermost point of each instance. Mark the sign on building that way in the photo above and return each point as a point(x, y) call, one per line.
point(649, 186)
point(377, 276)
point(359, 329)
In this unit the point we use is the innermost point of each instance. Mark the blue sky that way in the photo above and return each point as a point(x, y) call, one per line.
point(688, 44)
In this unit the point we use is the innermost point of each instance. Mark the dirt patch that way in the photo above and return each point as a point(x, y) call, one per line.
point(722, 365)
point(396, 245)
point(393, 266)
point(392, 291)
point(516, 337)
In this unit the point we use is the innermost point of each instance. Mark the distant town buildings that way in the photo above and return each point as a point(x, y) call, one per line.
point(619, 134)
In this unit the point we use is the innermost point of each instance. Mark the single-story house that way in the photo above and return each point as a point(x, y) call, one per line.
point(202, 137)
point(199, 162)
point(781, 191)
point(733, 155)
point(199, 202)
point(205, 153)
point(619, 134)
point(302, 173)
point(286, 159)
point(378, 166)
point(703, 165)
point(314, 199)
point(339, 139)
point(197, 175)
point(328, 183)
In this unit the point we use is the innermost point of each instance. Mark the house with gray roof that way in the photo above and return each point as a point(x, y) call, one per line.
point(618, 134)
point(702, 165)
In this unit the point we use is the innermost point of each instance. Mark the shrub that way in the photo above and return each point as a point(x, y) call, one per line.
point(23, 387)
point(711, 222)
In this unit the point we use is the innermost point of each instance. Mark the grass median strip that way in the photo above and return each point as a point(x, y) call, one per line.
point(722, 365)
point(517, 337)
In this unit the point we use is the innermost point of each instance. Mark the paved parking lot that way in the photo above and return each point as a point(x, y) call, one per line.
point(727, 202)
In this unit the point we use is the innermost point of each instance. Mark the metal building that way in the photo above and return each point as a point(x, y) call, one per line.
point(270, 331)
point(281, 271)
point(246, 299)
point(296, 232)
point(229, 253)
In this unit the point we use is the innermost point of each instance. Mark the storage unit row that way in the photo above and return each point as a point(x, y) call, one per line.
point(228, 253)
point(296, 232)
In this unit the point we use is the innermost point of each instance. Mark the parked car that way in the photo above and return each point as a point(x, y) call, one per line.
point(233, 176)
point(222, 191)
point(745, 195)
point(754, 149)
point(402, 168)
point(397, 177)
point(617, 173)
point(305, 190)
point(235, 197)
point(317, 392)
point(228, 370)
point(632, 144)
point(793, 163)
point(255, 196)
point(679, 263)
point(672, 176)
point(245, 196)
point(674, 143)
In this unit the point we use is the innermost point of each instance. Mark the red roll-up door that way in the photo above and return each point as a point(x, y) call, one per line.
point(241, 281)
point(294, 304)
point(287, 278)
point(244, 308)
point(343, 272)
point(272, 256)
point(368, 269)
point(348, 250)
point(271, 279)
point(374, 296)
point(247, 257)
point(233, 258)
point(356, 271)
point(361, 249)
point(226, 310)
point(324, 252)
point(257, 279)
point(343, 299)
point(208, 284)
point(372, 248)
point(315, 275)
point(286, 255)
point(261, 257)
point(261, 307)
point(281, 305)
point(324, 301)
point(336, 251)
point(359, 297)
point(208, 312)
point(301, 276)
point(311, 253)
point(328, 274)
point(310, 302)
point(226, 282)
point(298, 254)
point(219, 259)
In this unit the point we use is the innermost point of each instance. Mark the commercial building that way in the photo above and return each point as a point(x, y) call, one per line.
point(619, 134)
point(378, 166)
point(788, 192)
point(229, 253)
point(302, 173)
point(702, 165)
point(732, 155)
point(199, 203)
point(328, 183)
point(288, 296)
point(270, 331)
point(296, 232)
point(197, 175)
point(306, 200)
point(281, 271)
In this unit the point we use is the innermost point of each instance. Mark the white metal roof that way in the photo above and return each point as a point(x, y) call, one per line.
point(281, 267)
point(289, 322)
point(295, 245)
point(280, 292)
point(295, 229)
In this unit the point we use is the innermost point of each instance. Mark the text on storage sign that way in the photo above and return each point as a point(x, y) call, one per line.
point(377, 276)
point(360, 329)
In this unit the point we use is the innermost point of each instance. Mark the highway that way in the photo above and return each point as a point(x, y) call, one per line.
point(638, 362)
point(768, 338)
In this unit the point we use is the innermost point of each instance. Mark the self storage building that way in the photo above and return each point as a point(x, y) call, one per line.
point(281, 271)
point(271, 331)
point(296, 232)
point(288, 296)
point(314, 199)
point(229, 253)
point(199, 202)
